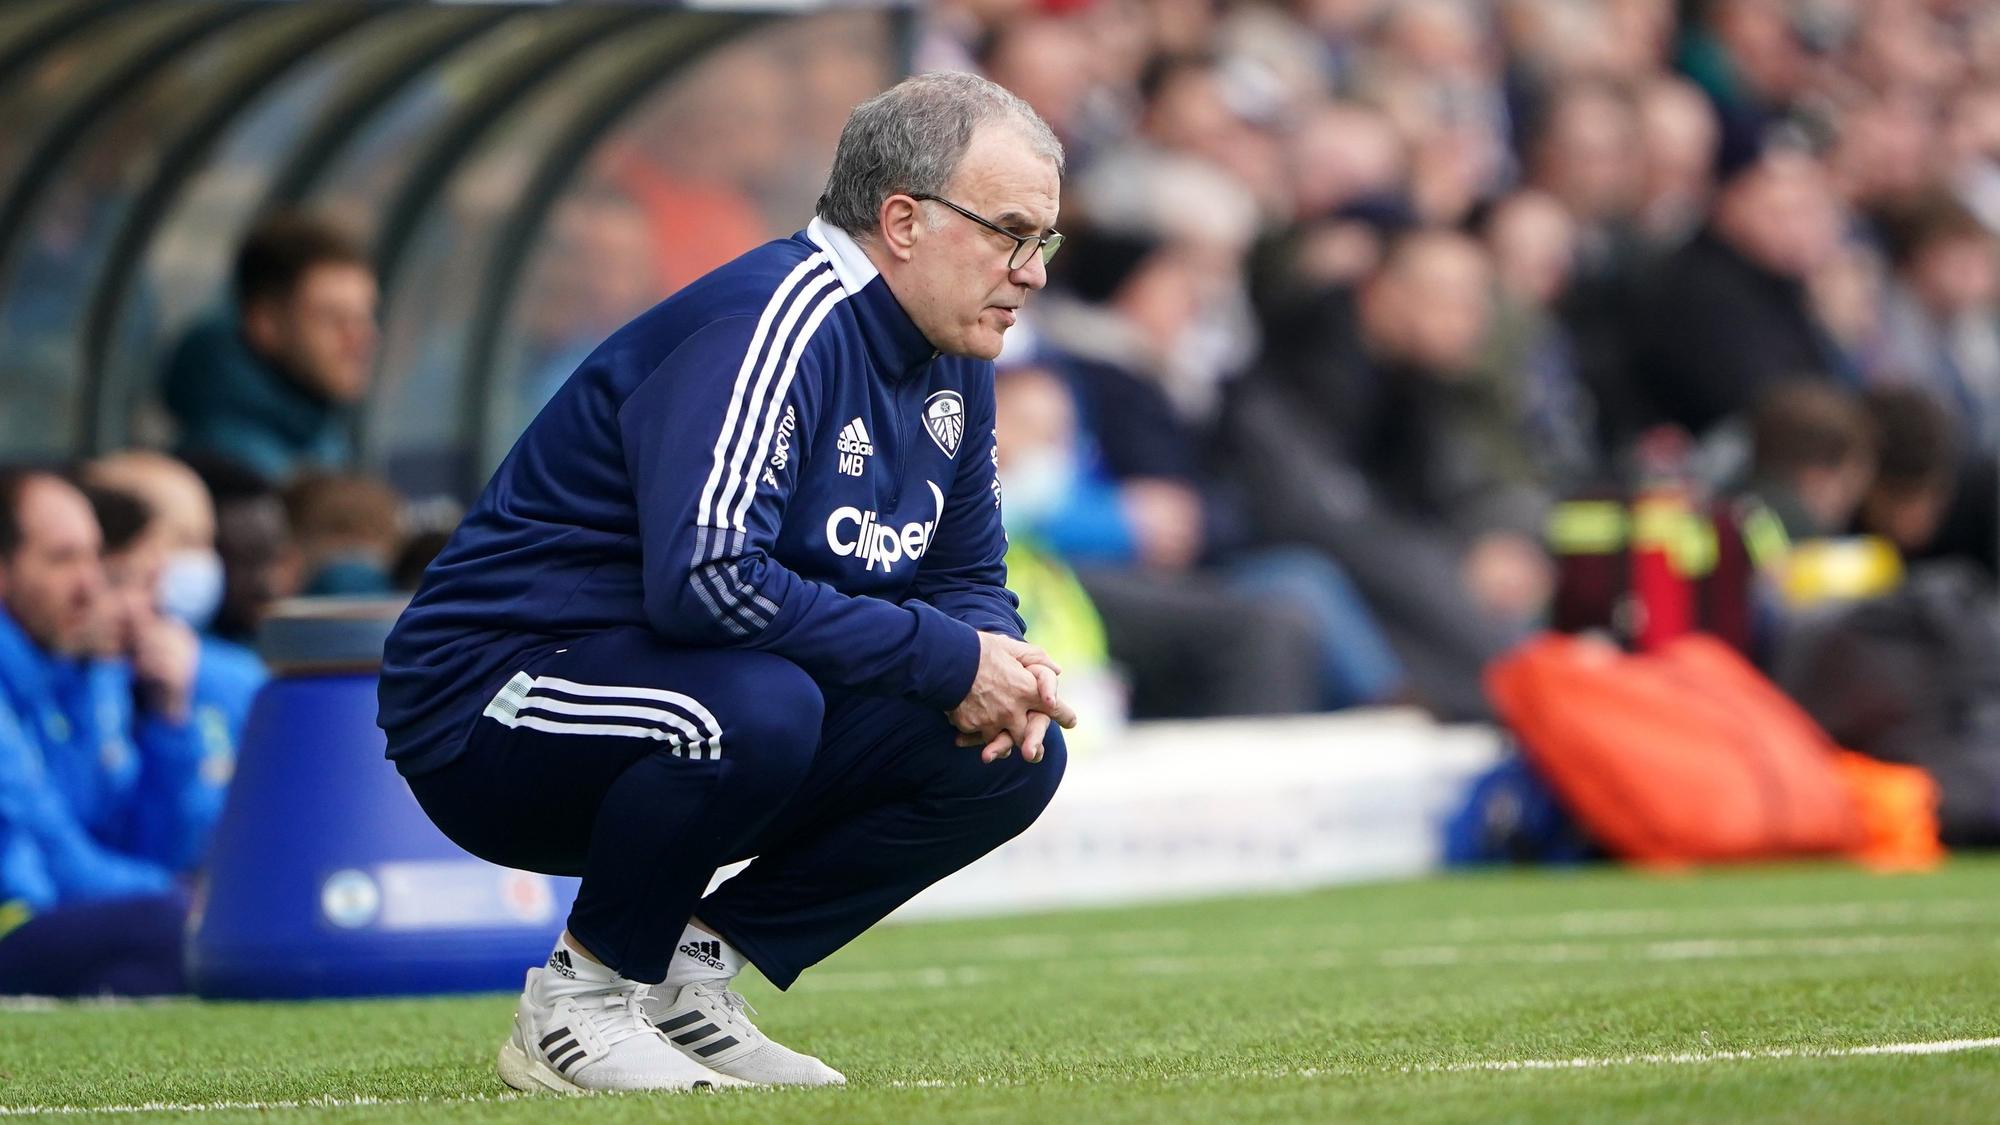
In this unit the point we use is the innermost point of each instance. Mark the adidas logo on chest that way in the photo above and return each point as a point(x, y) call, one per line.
point(855, 448)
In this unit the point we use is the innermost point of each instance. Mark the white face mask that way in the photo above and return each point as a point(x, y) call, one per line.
point(1036, 483)
point(191, 587)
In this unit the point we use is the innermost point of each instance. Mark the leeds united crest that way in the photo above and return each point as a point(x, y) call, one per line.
point(944, 417)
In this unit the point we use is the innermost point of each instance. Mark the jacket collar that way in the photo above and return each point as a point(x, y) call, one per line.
point(894, 341)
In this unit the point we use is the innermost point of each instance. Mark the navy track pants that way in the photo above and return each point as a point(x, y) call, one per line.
point(644, 767)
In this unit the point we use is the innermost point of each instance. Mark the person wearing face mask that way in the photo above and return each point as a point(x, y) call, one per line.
point(182, 708)
point(105, 794)
point(191, 573)
point(182, 584)
point(1038, 476)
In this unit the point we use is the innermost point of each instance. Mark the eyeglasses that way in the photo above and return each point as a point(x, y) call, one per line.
point(1048, 243)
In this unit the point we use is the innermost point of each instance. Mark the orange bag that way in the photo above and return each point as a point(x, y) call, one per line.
point(1682, 755)
point(1898, 806)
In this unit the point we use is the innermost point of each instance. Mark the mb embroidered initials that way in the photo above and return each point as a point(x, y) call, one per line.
point(854, 447)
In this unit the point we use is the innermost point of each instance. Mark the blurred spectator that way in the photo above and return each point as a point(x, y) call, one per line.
point(1585, 151)
point(1434, 73)
point(1941, 322)
point(1347, 168)
point(171, 572)
point(602, 270)
point(348, 530)
point(1372, 436)
point(1115, 327)
point(1532, 241)
point(271, 382)
point(198, 690)
point(1588, 151)
point(1747, 57)
point(1932, 498)
point(1847, 300)
point(1441, 441)
point(1130, 299)
point(1973, 150)
point(1682, 207)
point(1882, 161)
point(1213, 221)
point(1813, 458)
point(1034, 457)
point(102, 802)
point(726, 129)
point(190, 580)
point(1189, 644)
point(953, 32)
point(259, 562)
point(1915, 476)
point(1731, 314)
point(1678, 131)
point(1046, 61)
point(415, 557)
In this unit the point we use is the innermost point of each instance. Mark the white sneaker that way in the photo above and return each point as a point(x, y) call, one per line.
point(707, 1022)
point(583, 1036)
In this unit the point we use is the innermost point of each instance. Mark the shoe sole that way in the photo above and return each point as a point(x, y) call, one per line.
point(533, 1075)
point(835, 1078)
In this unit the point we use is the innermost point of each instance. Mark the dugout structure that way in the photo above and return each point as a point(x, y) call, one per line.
point(495, 157)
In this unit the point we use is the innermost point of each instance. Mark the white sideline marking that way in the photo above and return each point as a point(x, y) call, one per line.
point(1936, 1047)
point(1688, 1058)
point(1420, 956)
point(362, 1101)
point(1610, 922)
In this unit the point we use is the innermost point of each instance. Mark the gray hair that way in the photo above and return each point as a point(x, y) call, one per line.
point(911, 137)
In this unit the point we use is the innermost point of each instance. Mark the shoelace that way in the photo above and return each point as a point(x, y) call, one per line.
point(734, 1006)
point(621, 1017)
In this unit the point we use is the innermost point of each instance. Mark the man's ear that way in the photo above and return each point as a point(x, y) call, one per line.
point(900, 223)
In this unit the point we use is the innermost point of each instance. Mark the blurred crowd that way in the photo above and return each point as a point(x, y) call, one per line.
point(1357, 297)
point(1358, 294)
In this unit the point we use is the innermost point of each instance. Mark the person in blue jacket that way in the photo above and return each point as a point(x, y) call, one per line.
point(107, 787)
point(739, 591)
point(190, 694)
point(162, 557)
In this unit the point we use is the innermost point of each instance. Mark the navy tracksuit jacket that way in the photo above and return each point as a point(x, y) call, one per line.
point(713, 606)
point(736, 468)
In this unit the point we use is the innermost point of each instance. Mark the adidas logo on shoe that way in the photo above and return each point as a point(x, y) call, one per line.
point(707, 952)
point(560, 964)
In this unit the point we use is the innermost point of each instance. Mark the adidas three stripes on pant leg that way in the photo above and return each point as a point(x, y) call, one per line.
point(643, 768)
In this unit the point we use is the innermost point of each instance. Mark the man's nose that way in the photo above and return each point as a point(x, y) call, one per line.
point(1033, 273)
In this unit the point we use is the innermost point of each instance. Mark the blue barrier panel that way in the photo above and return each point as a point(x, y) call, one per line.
point(326, 878)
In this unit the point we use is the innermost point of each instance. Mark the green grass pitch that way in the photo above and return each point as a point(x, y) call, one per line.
point(1788, 994)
